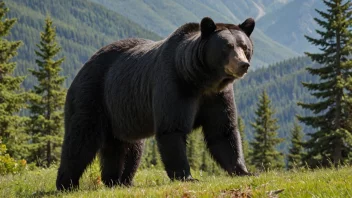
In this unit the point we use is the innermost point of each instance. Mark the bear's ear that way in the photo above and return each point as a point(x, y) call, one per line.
point(207, 26)
point(248, 26)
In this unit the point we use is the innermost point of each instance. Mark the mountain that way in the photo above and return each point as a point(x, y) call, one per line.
point(254, 8)
point(82, 28)
point(164, 16)
point(290, 23)
point(282, 82)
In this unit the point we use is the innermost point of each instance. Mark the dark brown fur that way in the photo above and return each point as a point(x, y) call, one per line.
point(136, 88)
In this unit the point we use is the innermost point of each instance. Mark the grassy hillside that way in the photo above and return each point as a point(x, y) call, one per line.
point(289, 24)
point(82, 28)
point(163, 17)
point(154, 183)
point(282, 82)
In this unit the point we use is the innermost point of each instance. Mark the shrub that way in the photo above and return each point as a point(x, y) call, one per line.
point(8, 164)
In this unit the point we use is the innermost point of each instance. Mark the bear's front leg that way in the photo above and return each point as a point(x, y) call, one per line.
point(172, 147)
point(219, 122)
point(174, 119)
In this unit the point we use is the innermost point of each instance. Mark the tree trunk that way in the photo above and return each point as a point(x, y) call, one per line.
point(337, 155)
point(48, 154)
point(48, 117)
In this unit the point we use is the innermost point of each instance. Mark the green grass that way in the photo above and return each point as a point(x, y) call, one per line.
point(154, 183)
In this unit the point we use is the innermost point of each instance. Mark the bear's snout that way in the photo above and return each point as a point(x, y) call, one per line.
point(244, 65)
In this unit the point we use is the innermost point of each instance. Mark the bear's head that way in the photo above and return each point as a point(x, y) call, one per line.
point(227, 48)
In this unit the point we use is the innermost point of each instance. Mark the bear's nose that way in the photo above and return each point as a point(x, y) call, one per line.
point(244, 65)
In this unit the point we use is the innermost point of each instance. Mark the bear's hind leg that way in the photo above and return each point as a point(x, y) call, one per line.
point(132, 160)
point(112, 159)
point(75, 159)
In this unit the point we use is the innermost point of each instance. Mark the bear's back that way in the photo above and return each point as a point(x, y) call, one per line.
point(111, 67)
point(128, 88)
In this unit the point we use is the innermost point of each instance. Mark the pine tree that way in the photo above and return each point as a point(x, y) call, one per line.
point(155, 155)
point(264, 155)
point(295, 154)
point(204, 166)
point(331, 142)
point(12, 99)
point(193, 150)
point(245, 145)
point(349, 109)
point(47, 100)
point(208, 164)
point(146, 155)
point(151, 156)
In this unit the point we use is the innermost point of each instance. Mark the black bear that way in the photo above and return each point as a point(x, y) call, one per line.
point(136, 88)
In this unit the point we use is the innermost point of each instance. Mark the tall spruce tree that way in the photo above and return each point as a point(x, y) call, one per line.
point(150, 155)
point(155, 159)
point(12, 99)
point(294, 157)
point(349, 109)
point(264, 155)
point(194, 151)
point(331, 142)
point(207, 162)
point(204, 166)
point(47, 100)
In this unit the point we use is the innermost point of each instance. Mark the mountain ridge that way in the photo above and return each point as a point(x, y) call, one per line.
point(296, 20)
point(163, 17)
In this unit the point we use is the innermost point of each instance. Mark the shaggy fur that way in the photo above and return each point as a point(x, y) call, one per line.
point(135, 88)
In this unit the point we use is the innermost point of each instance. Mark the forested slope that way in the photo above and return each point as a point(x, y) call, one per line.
point(282, 81)
point(82, 28)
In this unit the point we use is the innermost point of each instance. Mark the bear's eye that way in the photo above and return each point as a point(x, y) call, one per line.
point(230, 45)
point(247, 53)
point(244, 47)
